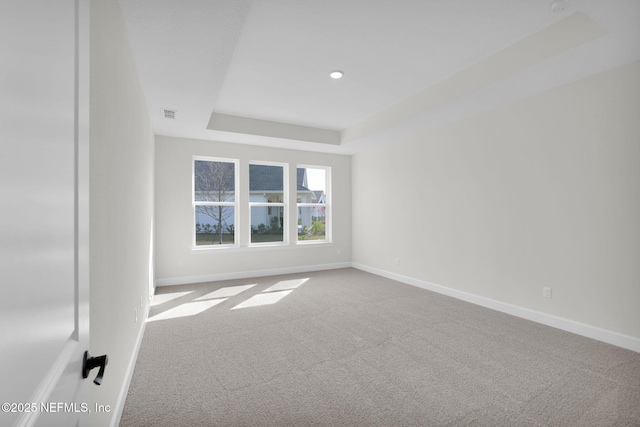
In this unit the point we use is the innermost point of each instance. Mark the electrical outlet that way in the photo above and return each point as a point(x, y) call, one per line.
point(135, 313)
point(180, 263)
point(546, 292)
point(397, 261)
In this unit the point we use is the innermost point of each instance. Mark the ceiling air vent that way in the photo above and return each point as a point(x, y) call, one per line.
point(558, 6)
point(169, 114)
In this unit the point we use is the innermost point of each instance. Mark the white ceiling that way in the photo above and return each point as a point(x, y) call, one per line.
point(257, 72)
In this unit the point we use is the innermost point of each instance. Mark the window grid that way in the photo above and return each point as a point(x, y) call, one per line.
point(314, 218)
point(273, 229)
point(311, 214)
point(211, 228)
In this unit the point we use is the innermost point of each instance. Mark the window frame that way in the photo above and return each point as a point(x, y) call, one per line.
point(284, 204)
point(235, 204)
point(328, 238)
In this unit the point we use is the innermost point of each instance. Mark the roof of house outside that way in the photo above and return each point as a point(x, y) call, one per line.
point(318, 194)
point(263, 178)
point(269, 178)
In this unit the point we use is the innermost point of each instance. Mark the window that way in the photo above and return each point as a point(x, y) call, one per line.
point(313, 203)
point(215, 184)
point(220, 215)
point(268, 192)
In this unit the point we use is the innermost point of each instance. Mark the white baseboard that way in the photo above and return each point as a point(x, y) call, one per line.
point(248, 274)
point(604, 335)
point(124, 390)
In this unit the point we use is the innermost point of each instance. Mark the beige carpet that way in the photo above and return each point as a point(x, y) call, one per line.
point(347, 348)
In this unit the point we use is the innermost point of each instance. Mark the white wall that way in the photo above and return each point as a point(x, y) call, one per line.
point(176, 262)
point(121, 193)
point(542, 192)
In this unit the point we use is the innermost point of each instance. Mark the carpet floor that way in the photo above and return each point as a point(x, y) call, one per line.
point(348, 348)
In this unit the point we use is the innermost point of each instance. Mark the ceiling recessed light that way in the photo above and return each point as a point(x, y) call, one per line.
point(337, 74)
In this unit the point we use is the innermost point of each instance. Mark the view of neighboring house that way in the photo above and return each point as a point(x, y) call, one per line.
point(318, 213)
point(266, 188)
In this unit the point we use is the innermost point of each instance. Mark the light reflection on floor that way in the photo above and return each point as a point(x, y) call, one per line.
point(286, 284)
point(269, 296)
point(162, 298)
point(263, 299)
point(227, 292)
point(186, 309)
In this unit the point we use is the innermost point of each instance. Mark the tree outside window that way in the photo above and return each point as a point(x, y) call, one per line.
point(215, 201)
